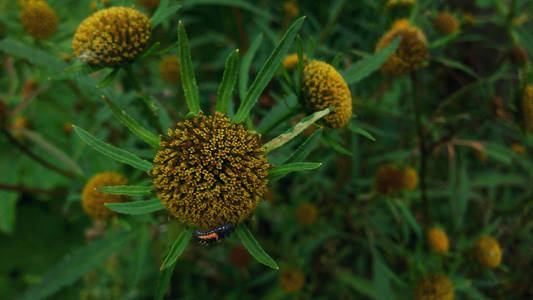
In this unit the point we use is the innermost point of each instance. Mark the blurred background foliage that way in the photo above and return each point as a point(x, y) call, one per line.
point(331, 230)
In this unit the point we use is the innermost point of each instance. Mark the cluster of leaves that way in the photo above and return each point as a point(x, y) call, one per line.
point(454, 120)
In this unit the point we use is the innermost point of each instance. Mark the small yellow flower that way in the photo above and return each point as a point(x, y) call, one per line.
point(488, 252)
point(306, 214)
point(392, 3)
point(112, 37)
point(93, 200)
point(169, 68)
point(400, 23)
point(409, 178)
point(68, 127)
point(291, 61)
point(445, 23)
point(390, 179)
point(149, 4)
point(410, 53)
point(438, 240)
point(434, 287)
point(210, 172)
point(291, 10)
point(527, 107)
point(518, 149)
point(323, 87)
point(518, 55)
point(291, 280)
point(38, 18)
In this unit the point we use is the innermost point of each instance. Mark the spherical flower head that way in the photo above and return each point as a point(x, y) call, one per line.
point(518, 55)
point(169, 68)
point(291, 9)
point(323, 87)
point(306, 214)
point(93, 200)
point(410, 53)
point(438, 240)
point(527, 107)
point(445, 23)
point(291, 61)
point(488, 252)
point(400, 23)
point(210, 172)
point(291, 280)
point(112, 37)
point(388, 179)
point(518, 149)
point(38, 18)
point(409, 178)
point(149, 4)
point(434, 287)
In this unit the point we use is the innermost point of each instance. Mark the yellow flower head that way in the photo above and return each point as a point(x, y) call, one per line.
point(527, 107)
point(434, 287)
point(149, 4)
point(438, 240)
point(409, 178)
point(291, 9)
point(410, 53)
point(323, 87)
point(210, 172)
point(488, 252)
point(112, 37)
point(518, 55)
point(93, 200)
point(388, 179)
point(291, 61)
point(169, 68)
point(445, 23)
point(291, 280)
point(38, 18)
point(400, 23)
point(392, 3)
point(518, 149)
point(306, 214)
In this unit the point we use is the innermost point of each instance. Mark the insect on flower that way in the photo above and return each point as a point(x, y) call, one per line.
point(205, 237)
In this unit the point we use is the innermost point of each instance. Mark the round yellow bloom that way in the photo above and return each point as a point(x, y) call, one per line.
point(291, 10)
point(409, 178)
point(518, 55)
point(410, 53)
point(445, 23)
point(169, 68)
point(93, 200)
point(323, 87)
point(400, 23)
point(112, 37)
point(488, 252)
point(527, 107)
point(38, 18)
point(388, 179)
point(291, 61)
point(149, 4)
point(391, 3)
point(306, 214)
point(291, 280)
point(210, 172)
point(434, 287)
point(518, 149)
point(438, 240)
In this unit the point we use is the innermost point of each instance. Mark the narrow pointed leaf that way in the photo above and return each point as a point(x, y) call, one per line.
point(188, 81)
point(136, 207)
point(368, 65)
point(165, 9)
point(336, 146)
point(127, 190)
point(233, 3)
point(177, 248)
point(132, 124)
point(253, 247)
point(244, 74)
point(411, 220)
point(306, 147)
point(112, 151)
point(108, 79)
point(360, 284)
point(282, 170)
point(361, 131)
point(267, 72)
point(225, 89)
point(296, 130)
point(163, 280)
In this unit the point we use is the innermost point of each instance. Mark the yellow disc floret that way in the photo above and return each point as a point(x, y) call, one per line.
point(93, 200)
point(527, 108)
point(306, 214)
point(169, 68)
point(38, 18)
point(438, 240)
point(434, 287)
point(291, 61)
point(291, 280)
point(112, 37)
point(410, 53)
point(210, 172)
point(323, 87)
point(488, 252)
point(445, 23)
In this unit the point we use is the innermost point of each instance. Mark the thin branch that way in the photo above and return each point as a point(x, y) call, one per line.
point(29, 190)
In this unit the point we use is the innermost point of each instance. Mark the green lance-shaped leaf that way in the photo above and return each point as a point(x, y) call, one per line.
point(305, 148)
point(336, 145)
point(136, 207)
point(163, 280)
point(177, 248)
point(369, 64)
point(126, 190)
point(108, 79)
point(411, 220)
point(360, 284)
point(165, 9)
point(296, 130)
point(253, 247)
point(78, 264)
point(456, 65)
point(188, 81)
point(233, 3)
point(267, 72)
point(132, 124)
point(244, 74)
point(112, 151)
point(282, 170)
point(361, 131)
point(225, 89)
point(444, 40)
